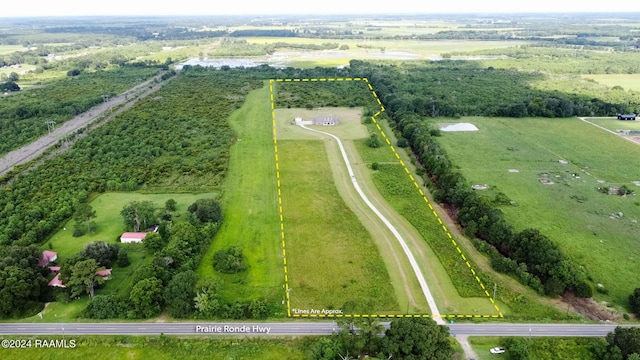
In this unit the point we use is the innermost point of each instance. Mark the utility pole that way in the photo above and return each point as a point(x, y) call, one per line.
point(50, 125)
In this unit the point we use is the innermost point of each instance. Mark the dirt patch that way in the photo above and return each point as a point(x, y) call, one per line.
point(590, 308)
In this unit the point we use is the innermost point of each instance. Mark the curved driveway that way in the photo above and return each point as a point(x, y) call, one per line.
point(435, 314)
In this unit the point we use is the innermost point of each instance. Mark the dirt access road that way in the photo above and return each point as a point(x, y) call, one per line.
point(96, 115)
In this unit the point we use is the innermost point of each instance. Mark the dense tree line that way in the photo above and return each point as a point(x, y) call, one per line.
point(458, 88)
point(527, 254)
point(22, 281)
point(326, 94)
point(23, 115)
point(418, 338)
point(178, 139)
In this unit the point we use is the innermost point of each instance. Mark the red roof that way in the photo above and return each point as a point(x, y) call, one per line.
point(105, 272)
point(134, 235)
point(47, 257)
point(56, 281)
point(54, 268)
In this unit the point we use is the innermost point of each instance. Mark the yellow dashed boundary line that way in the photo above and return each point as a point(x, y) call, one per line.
point(284, 247)
point(411, 178)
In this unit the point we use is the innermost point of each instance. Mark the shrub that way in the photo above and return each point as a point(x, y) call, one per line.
point(634, 300)
point(373, 141)
point(229, 260)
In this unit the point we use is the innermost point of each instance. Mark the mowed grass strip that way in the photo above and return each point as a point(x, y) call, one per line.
point(570, 211)
point(333, 261)
point(453, 285)
point(249, 204)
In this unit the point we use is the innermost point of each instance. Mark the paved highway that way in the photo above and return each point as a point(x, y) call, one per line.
point(285, 328)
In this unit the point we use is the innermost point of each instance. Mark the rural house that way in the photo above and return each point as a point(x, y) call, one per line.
point(132, 237)
point(325, 120)
point(47, 257)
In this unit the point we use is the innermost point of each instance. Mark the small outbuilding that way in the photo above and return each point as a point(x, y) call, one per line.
point(132, 237)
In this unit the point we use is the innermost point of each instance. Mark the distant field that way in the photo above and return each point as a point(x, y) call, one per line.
point(570, 211)
point(627, 81)
point(8, 49)
point(375, 49)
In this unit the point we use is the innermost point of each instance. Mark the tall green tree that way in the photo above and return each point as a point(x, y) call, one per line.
point(627, 340)
point(104, 254)
point(82, 216)
point(138, 215)
point(180, 293)
point(207, 300)
point(419, 338)
point(146, 297)
point(206, 210)
point(84, 278)
point(634, 300)
point(154, 243)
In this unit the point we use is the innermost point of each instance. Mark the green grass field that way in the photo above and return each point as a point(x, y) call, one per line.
point(627, 81)
point(541, 348)
point(614, 124)
point(350, 126)
point(455, 289)
point(109, 221)
point(250, 206)
point(333, 262)
point(163, 347)
point(570, 211)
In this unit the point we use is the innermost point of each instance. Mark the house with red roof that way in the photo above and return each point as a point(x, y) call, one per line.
point(105, 273)
point(56, 282)
point(47, 257)
point(132, 237)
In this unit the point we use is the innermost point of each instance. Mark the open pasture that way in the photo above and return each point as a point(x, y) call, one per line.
point(109, 221)
point(373, 49)
point(333, 261)
point(550, 170)
point(350, 126)
point(616, 125)
point(250, 206)
point(626, 81)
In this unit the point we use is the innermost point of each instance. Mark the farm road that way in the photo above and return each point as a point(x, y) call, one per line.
point(38, 147)
point(414, 264)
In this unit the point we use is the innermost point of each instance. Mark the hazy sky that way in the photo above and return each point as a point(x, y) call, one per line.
point(250, 7)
